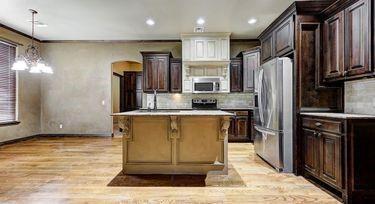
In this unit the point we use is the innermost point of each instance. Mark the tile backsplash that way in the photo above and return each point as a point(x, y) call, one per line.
point(360, 96)
point(183, 100)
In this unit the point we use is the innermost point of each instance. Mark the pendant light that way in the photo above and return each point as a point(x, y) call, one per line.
point(32, 59)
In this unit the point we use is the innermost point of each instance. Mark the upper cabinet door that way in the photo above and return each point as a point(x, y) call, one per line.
point(162, 73)
point(250, 63)
point(175, 76)
point(334, 47)
point(357, 38)
point(267, 48)
point(284, 37)
point(236, 75)
point(149, 73)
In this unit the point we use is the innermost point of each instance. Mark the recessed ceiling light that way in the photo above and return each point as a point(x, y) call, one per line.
point(150, 22)
point(200, 21)
point(252, 21)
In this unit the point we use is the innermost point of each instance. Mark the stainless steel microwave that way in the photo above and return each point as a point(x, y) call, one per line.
point(206, 85)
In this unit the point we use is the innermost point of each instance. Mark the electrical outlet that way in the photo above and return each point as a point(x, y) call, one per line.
point(61, 126)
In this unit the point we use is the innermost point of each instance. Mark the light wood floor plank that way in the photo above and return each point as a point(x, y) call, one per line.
point(78, 169)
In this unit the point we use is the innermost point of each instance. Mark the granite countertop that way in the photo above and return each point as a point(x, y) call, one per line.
point(238, 108)
point(174, 113)
point(339, 115)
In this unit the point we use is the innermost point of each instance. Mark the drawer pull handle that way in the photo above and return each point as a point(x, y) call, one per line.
point(318, 124)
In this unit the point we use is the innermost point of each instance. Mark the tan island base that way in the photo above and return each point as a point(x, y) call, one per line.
point(174, 144)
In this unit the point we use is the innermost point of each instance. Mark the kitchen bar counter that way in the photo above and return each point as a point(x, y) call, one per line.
point(171, 112)
point(175, 141)
point(338, 115)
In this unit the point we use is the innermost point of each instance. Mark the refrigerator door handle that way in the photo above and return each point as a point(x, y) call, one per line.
point(260, 83)
point(264, 131)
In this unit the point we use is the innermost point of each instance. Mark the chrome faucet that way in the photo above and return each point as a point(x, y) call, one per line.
point(155, 99)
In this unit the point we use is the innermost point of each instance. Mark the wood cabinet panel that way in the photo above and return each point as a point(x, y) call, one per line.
point(251, 61)
point(232, 128)
point(267, 48)
point(330, 158)
point(155, 71)
point(357, 23)
point(239, 127)
point(162, 73)
point(284, 37)
point(334, 47)
point(311, 153)
point(242, 127)
point(175, 76)
point(236, 84)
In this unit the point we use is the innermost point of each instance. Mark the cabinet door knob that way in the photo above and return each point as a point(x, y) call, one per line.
point(318, 124)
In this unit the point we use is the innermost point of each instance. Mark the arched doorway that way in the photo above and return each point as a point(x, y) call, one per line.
point(126, 88)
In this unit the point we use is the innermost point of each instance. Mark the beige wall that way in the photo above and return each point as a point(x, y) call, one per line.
point(360, 96)
point(82, 80)
point(28, 97)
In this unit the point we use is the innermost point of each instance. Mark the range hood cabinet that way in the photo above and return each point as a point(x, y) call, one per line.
point(205, 55)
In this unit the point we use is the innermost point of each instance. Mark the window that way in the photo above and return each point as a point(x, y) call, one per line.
point(8, 112)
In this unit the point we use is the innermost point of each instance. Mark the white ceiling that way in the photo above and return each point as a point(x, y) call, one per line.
point(125, 19)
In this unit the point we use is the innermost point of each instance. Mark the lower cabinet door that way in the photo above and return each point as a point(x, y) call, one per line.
point(330, 158)
point(242, 127)
point(232, 129)
point(311, 151)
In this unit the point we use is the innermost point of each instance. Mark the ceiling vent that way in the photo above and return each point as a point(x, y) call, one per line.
point(199, 29)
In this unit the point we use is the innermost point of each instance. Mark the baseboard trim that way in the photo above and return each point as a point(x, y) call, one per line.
point(18, 140)
point(52, 135)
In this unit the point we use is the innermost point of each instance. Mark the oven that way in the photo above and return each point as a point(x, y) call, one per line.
point(206, 85)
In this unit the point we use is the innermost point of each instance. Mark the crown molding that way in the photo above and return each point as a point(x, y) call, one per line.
point(18, 32)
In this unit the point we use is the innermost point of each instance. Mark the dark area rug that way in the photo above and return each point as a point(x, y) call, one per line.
point(233, 179)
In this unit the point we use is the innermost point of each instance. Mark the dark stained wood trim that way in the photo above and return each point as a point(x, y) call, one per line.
point(301, 7)
point(335, 7)
point(10, 123)
point(245, 40)
point(18, 32)
point(117, 74)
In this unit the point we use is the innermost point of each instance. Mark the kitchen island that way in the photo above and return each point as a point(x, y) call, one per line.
point(174, 141)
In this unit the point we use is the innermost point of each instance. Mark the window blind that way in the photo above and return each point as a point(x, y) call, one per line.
point(7, 83)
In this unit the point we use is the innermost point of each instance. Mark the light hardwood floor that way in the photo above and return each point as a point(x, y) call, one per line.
point(78, 169)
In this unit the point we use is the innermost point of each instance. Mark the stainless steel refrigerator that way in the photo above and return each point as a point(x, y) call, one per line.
point(273, 113)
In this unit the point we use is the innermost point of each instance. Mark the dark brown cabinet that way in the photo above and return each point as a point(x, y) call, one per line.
point(330, 158)
point(175, 75)
point(251, 61)
point(240, 126)
point(357, 22)
point(347, 41)
point(339, 154)
point(323, 150)
point(267, 47)
point(284, 37)
point(278, 42)
point(156, 71)
point(333, 46)
point(236, 83)
point(311, 153)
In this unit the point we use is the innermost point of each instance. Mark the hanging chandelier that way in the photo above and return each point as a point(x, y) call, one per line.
point(32, 60)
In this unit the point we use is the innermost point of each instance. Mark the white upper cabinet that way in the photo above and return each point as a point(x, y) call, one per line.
point(205, 46)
